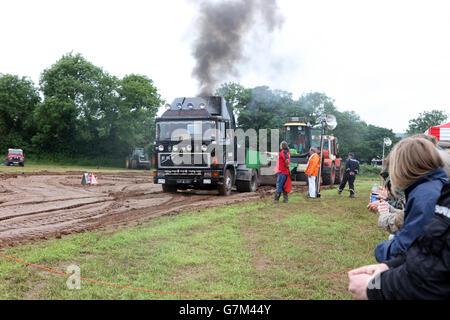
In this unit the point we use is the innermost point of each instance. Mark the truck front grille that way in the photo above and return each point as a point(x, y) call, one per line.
point(184, 161)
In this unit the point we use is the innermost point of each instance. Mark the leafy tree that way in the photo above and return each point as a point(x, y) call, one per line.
point(18, 99)
point(88, 112)
point(425, 120)
point(235, 94)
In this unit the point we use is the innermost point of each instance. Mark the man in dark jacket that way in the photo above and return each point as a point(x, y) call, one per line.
point(351, 170)
point(423, 272)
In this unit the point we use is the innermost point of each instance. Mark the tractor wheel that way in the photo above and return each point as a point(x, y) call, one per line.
point(248, 186)
point(339, 175)
point(167, 188)
point(133, 164)
point(227, 184)
point(328, 178)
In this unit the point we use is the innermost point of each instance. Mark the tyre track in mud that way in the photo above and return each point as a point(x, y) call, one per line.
point(43, 205)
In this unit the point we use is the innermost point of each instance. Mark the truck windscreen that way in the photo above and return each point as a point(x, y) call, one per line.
point(184, 130)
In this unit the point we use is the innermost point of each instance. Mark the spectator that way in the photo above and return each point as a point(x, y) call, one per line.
point(351, 170)
point(415, 166)
point(283, 173)
point(390, 207)
point(421, 273)
point(312, 171)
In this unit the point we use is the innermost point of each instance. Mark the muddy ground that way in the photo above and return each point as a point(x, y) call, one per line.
point(43, 205)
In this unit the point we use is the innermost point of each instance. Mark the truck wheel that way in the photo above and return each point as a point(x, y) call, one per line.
point(339, 175)
point(167, 188)
point(328, 178)
point(227, 183)
point(21, 164)
point(248, 186)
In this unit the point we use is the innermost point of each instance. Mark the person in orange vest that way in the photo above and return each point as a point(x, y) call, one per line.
point(312, 170)
point(283, 173)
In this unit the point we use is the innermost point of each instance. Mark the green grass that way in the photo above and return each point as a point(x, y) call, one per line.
point(236, 248)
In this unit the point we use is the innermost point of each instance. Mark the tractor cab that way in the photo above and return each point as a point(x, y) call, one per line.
point(297, 133)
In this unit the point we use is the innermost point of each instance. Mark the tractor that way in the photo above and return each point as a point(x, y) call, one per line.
point(301, 136)
point(137, 159)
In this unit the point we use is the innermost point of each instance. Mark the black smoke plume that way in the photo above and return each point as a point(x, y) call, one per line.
point(222, 27)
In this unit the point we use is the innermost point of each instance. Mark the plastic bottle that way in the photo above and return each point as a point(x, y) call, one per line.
point(374, 193)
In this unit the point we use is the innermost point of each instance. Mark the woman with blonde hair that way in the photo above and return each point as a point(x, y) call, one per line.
point(414, 264)
point(415, 166)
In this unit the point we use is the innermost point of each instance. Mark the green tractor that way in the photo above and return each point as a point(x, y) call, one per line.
point(137, 159)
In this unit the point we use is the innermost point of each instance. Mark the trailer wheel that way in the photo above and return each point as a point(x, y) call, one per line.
point(167, 188)
point(339, 175)
point(227, 184)
point(248, 186)
point(328, 178)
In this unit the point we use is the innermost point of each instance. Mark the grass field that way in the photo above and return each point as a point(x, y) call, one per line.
point(234, 249)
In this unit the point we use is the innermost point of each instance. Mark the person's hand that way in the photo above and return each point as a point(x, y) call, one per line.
point(352, 173)
point(370, 270)
point(383, 207)
point(357, 285)
point(359, 279)
point(373, 206)
point(382, 193)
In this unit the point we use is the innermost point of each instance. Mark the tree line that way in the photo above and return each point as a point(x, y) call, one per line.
point(262, 107)
point(79, 111)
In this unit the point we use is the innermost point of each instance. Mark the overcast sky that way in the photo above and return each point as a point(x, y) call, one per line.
point(386, 60)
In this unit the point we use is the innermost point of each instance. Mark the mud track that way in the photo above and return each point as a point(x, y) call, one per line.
point(44, 205)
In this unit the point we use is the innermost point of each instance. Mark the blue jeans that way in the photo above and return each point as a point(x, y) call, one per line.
point(281, 180)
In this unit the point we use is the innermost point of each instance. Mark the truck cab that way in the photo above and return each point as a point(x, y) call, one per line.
point(195, 145)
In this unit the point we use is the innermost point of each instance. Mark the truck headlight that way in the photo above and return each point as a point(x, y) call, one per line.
point(188, 148)
point(161, 148)
point(168, 106)
point(204, 148)
point(175, 148)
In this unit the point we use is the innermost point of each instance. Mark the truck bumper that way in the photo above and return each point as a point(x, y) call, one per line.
point(204, 180)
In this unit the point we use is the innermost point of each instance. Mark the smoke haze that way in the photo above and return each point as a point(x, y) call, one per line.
point(221, 30)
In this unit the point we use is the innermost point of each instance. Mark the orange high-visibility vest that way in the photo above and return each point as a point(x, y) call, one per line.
point(313, 165)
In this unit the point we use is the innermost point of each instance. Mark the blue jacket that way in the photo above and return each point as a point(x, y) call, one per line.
point(421, 198)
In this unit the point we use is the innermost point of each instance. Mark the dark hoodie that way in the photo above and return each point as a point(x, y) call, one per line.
point(421, 198)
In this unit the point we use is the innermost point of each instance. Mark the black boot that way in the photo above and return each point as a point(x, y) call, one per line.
point(277, 197)
point(285, 197)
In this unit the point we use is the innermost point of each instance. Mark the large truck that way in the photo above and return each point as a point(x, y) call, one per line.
point(190, 135)
point(301, 136)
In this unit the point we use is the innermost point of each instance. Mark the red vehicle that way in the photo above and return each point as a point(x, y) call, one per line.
point(15, 156)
